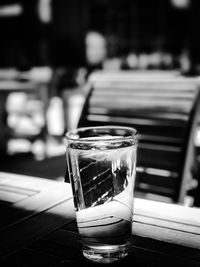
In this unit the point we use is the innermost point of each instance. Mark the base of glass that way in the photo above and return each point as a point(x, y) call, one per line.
point(106, 254)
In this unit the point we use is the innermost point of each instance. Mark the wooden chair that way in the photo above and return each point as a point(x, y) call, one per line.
point(163, 108)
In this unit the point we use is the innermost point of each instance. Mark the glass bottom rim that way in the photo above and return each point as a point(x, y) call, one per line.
point(106, 254)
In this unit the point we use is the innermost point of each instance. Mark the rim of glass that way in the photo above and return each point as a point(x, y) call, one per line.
point(73, 135)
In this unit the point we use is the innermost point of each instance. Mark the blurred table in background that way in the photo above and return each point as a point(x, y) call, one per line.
point(34, 83)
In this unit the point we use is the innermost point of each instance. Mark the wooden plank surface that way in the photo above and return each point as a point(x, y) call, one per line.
point(151, 77)
point(23, 196)
point(163, 233)
point(25, 232)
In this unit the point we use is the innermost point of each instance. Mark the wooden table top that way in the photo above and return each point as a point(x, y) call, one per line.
point(38, 228)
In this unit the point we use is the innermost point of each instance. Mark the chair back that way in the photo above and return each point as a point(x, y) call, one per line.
point(163, 107)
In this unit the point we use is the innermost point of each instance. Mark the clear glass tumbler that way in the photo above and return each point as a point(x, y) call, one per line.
point(102, 164)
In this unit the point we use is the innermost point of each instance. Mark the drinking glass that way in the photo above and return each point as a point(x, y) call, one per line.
point(101, 164)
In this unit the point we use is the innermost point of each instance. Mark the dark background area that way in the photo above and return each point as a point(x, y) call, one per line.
point(129, 26)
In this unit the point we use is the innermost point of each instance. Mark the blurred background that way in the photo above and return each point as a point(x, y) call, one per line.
point(137, 34)
point(48, 49)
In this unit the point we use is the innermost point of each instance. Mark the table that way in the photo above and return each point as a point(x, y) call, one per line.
point(38, 228)
point(10, 86)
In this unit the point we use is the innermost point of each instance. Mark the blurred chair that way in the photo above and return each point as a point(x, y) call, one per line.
point(163, 107)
